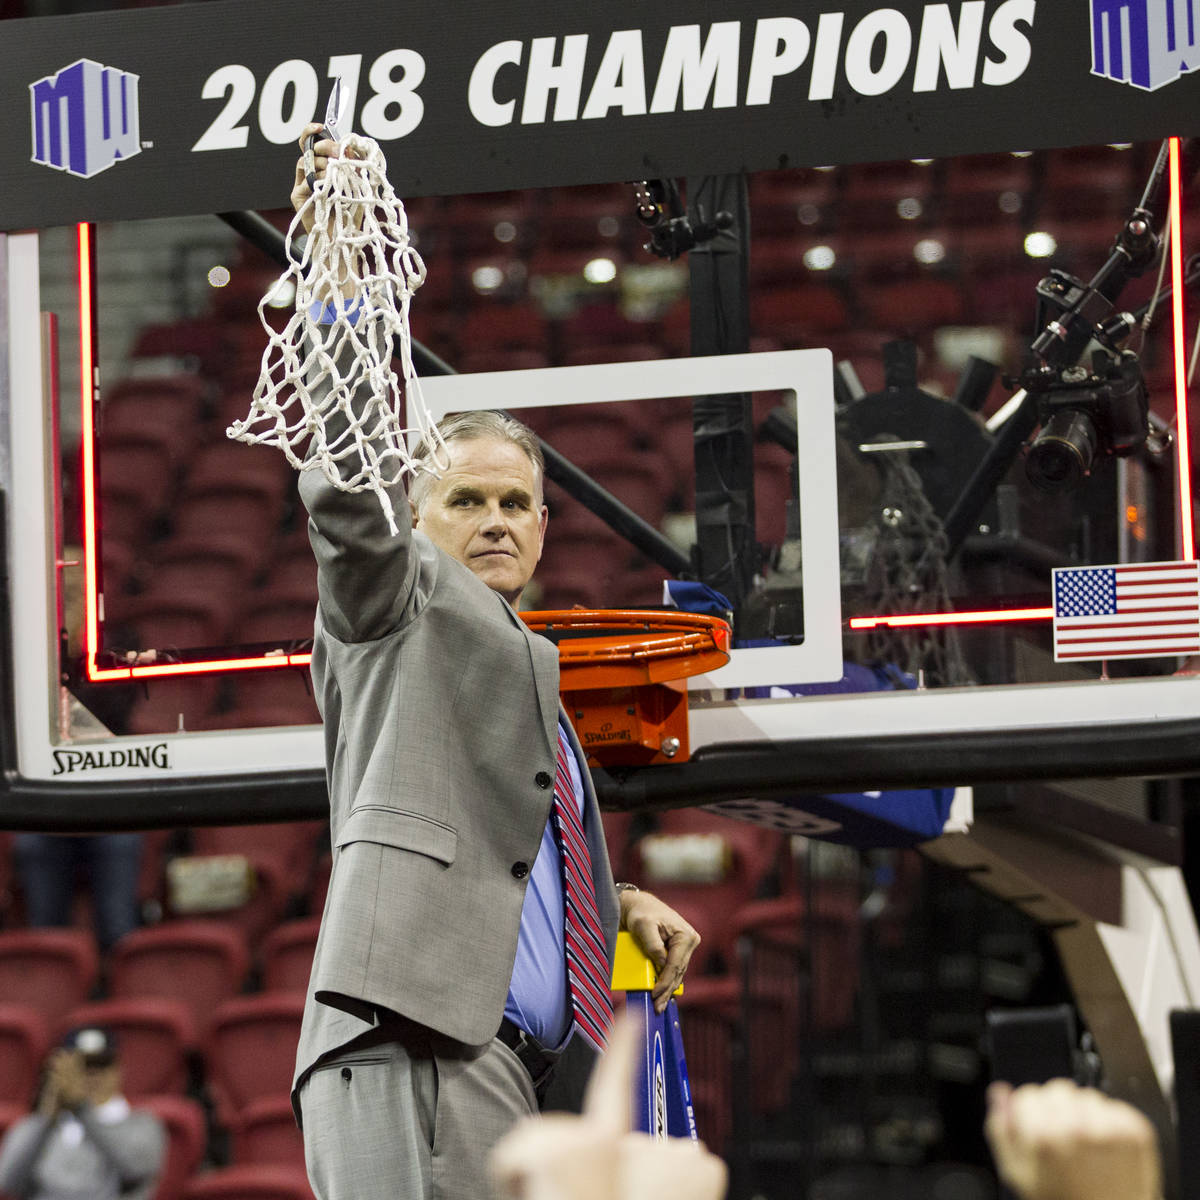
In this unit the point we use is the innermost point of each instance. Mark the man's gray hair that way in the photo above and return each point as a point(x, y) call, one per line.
point(463, 427)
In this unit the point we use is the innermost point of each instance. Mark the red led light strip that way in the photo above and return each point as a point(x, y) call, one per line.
point(996, 616)
point(900, 620)
point(159, 670)
point(87, 378)
point(1187, 541)
point(91, 519)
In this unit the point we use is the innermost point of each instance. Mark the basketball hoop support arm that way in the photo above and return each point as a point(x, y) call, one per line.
point(259, 232)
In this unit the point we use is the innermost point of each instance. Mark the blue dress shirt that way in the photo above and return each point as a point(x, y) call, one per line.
point(538, 999)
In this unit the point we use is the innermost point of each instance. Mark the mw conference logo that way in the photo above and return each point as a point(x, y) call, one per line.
point(84, 118)
point(1145, 43)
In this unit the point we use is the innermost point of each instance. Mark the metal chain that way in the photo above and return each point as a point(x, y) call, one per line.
point(908, 573)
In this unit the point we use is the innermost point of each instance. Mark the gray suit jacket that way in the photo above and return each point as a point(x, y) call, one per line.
point(440, 712)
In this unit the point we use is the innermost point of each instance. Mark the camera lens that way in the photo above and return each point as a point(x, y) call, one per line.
point(1062, 454)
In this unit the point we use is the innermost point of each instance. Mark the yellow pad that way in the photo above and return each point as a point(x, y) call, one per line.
point(632, 970)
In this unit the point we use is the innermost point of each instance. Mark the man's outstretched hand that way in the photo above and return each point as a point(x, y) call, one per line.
point(664, 937)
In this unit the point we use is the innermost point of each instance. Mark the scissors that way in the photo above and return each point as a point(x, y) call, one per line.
point(336, 112)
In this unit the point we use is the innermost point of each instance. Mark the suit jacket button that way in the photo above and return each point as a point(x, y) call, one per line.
point(542, 779)
point(520, 870)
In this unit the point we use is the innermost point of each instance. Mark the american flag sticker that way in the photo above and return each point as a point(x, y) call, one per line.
point(1142, 610)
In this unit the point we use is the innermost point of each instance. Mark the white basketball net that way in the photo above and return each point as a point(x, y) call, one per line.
point(359, 265)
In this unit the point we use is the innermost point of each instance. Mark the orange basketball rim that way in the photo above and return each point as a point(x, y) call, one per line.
point(620, 677)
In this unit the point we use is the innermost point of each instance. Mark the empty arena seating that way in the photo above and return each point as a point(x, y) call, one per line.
point(251, 1052)
point(291, 847)
point(265, 1132)
point(54, 970)
point(200, 963)
point(287, 954)
point(24, 1041)
point(187, 1137)
point(253, 1182)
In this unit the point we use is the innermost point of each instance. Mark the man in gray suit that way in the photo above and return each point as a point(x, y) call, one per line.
point(439, 999)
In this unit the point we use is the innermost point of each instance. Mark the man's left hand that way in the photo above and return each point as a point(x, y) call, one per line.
point(664, 937)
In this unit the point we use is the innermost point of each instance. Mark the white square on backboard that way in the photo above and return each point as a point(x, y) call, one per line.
point(807, 373)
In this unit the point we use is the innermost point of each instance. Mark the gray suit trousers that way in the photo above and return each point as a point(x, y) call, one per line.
point(409, 1115)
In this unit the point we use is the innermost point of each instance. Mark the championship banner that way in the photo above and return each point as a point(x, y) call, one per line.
point(196, 108)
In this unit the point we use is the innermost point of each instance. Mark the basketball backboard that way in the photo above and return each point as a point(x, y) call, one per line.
point(1001, 628)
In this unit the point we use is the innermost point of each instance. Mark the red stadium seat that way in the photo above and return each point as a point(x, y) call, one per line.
point(175, 619)
point(602, 324)
point(774, 486)
point(287, 954)
point(24, 1043)
point(610, 352)
point(266, 902)
point(793, 202)
point(753, 855)
point(587, 217)
point(290, 845)
point(187, 1135)
point(264, 716)
point(618, 826)
point(504, 325)
point(253, 1182)
point(53, 970)
point(798, 315)
point(200, 963)
point(914, 305)
point(202, 340)
point(10, 1114)
point(831, 933)
point(282, 689)
point(168, 704)
point(240, 507)
point(181, 396)
point(292, 572)
point(279, 615)
point(265, 1131)
point(492, 358)
point(155, 1038)
point(252, 1050)
point(136, 468)
point(221, 561)
point(708, 1011)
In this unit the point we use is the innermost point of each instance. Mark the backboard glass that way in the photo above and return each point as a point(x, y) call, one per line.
point(1127, 511)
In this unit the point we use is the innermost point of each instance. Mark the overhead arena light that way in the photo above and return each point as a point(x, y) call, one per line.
point(1040, 244)
point(600, 270)
point(819, 258)
point(283, 294)
point(486, 279)
point(929, 251)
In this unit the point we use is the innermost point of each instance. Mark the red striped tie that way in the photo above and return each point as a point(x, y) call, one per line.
point(587, 960)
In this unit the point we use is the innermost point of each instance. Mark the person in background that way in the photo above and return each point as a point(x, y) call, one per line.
point(83, 1138)
point(48, 865)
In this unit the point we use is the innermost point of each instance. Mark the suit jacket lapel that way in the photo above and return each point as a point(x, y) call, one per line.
point(543, 661)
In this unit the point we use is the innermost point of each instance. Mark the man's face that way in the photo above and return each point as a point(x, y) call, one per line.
point(484, 512)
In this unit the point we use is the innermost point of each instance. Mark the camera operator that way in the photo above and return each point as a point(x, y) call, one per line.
point(83, 1138)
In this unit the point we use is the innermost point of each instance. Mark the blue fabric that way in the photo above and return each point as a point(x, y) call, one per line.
point(689, 596)
point(863, 819)
point(326, 313)
point(538, 997)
